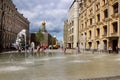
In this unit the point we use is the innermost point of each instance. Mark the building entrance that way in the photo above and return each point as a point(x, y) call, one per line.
point(114, 44)
point(69, 45)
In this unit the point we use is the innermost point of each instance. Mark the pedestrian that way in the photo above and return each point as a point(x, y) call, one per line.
point(110, 50)
point(38, 48)
point(64, 50)
point(116, 49)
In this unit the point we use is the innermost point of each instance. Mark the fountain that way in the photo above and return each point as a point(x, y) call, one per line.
point(99, 48)
point(32, 47)
point(84, 43)
point(19, 39)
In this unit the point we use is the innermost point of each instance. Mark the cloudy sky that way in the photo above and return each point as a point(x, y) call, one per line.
point(54, 12)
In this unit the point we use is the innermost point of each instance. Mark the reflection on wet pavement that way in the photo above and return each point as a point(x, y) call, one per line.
point(56, 66)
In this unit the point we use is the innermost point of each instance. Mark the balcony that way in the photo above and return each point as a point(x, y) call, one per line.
point(114, 34)
point(97, 37)
point(90, 26)
point(97, 9)
point(113, 1)
point(114, 15)
point(91, 15)
point(104, 35)
point(106, 19)
point(89, 38)
point(99, 23)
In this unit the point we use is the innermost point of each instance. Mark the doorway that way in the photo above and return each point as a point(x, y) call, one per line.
point(115, 44)
point(69, 45)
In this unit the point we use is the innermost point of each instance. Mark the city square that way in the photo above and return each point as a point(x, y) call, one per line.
point(55, 65)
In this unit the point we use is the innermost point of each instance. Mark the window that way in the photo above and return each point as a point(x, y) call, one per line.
point(82, 26)
point(98, 32)
point(98, 44)
point(98, 17)
point(106, 13)
point(105, 44)
point(90, 45)
point(90, 21)
point(97, 6)
point(115, 25)
point(90, 33)
point(115, 8)
point(72, 30)
point(89, 1)
point(86, 24)
point(103, 1)
point(72, 23)
point(105, 29)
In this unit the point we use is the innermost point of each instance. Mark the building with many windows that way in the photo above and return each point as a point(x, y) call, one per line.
point(66, 34)
point(11, 23)
point(73, 24)
point(98, 24)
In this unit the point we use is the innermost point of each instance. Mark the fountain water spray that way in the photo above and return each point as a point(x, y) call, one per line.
point(19, 38)
point(32, 47)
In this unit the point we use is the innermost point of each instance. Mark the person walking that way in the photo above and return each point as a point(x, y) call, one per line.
point(110, 50)
point(117, 49)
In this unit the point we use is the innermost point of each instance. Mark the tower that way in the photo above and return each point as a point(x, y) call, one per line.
point(43, 27)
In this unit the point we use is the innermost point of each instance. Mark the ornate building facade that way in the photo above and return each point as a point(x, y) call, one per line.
point(11, 23)
point(99, 24)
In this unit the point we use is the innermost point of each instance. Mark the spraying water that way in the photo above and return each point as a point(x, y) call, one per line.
point(19, 39)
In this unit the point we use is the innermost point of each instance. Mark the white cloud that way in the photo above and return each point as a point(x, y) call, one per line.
point(52, 11)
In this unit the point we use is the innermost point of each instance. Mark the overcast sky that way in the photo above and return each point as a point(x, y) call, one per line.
point(54, 12)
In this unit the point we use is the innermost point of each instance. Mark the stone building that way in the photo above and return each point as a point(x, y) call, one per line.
point(48, 38)
point(95, 24)
point(73, 24)
point(66, 34)
point(99, 24)
point(11, 23)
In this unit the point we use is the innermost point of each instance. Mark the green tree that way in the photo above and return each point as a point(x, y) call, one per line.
point(39, 36)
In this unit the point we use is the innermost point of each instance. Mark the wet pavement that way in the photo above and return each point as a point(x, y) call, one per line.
point(59, 66)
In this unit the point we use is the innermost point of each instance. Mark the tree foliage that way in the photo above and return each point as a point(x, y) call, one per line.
point(39, 36)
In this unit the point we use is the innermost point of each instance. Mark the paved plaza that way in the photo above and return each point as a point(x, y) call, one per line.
point(56, 65)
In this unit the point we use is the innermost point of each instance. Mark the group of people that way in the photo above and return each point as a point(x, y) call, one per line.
point(40, 48)
point(116, 50)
